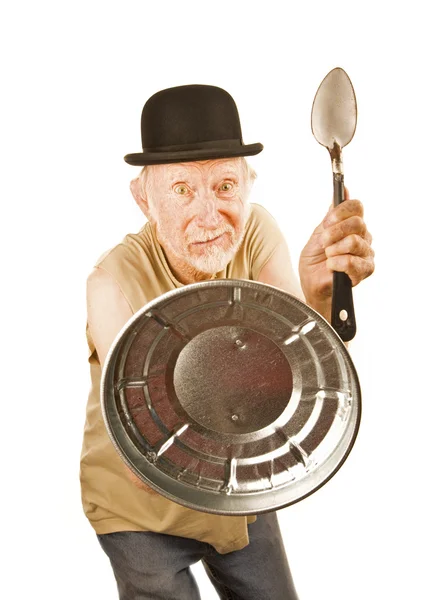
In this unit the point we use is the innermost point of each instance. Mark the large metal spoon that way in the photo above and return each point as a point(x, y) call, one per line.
point(333, 121)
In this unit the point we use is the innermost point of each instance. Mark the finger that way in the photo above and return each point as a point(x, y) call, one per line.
point(351, 244)
point(356, 267)
point(334, 233)
point(346, 209)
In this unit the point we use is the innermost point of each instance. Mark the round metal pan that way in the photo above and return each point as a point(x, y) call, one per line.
point(231, 397)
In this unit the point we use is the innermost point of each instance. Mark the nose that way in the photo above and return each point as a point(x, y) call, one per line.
point(207, 213)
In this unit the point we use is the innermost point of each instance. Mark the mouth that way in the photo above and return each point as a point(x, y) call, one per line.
point(212, 241)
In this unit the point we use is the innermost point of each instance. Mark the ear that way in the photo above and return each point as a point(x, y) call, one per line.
point(136, 191)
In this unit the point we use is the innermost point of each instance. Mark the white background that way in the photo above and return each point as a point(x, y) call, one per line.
point(74, 79)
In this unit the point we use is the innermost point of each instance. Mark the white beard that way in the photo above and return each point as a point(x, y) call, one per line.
point(214, 258)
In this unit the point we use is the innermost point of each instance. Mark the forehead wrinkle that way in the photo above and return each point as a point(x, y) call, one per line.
point(226, 172)
point(217, 168)
point(177, 170)
point(226, 165)
point(212, 165)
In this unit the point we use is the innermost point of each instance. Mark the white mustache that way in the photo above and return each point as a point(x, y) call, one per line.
point(211, 235)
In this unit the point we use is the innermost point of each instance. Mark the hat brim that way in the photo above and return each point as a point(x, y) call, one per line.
point(160, 158)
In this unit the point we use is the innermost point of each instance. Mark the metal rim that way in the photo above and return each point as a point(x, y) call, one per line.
point(144, 462)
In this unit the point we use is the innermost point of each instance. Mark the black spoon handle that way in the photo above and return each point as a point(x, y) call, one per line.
point(343, 312)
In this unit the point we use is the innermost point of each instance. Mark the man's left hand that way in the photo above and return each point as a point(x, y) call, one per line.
point(341, 242)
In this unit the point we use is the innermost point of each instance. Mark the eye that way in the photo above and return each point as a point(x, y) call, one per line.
point(226, 186)
point(181, 189)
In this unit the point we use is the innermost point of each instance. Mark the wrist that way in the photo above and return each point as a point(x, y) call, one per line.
point(321, 305)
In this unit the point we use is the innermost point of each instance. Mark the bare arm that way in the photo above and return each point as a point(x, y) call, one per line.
point(278, 271)
point(107, 312)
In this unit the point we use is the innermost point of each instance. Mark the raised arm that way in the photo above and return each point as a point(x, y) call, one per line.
point(278, 271)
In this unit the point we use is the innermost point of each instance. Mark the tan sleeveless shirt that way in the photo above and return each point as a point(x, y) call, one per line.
point(111, 501)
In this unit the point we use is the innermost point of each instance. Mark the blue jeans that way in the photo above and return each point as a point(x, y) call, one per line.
point(154, 566)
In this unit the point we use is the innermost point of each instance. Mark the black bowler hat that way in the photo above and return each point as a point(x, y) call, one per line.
point(190, 122)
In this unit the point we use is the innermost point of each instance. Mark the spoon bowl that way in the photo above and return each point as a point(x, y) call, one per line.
point(334, 112)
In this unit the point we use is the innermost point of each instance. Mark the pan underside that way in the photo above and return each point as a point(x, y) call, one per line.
point(231, 397)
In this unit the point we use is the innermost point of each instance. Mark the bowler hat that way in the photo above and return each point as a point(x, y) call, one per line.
point(190, 122)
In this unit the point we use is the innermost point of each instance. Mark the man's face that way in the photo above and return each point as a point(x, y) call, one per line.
point(200, 210)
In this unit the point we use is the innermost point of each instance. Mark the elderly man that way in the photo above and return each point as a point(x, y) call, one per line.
point(194, 191)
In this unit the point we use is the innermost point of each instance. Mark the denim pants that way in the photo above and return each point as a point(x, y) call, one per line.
point(155, 566)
